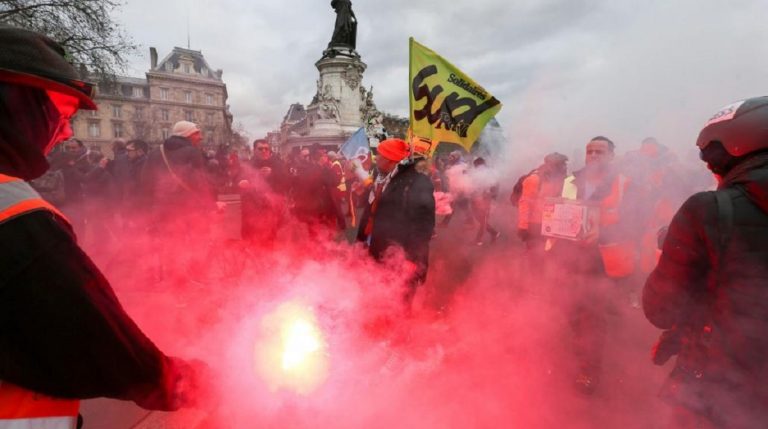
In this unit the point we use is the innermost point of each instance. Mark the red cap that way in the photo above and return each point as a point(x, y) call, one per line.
point(394, 150)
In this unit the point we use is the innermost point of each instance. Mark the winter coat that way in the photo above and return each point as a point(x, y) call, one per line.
point(313, 195)
point(278, 179)
point(405, 217)
point(121, 168)
point(186, 186)
point(712, 285)
point(75, 176)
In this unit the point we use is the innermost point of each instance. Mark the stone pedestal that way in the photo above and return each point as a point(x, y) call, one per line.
point(336, 108)
point(340, 106)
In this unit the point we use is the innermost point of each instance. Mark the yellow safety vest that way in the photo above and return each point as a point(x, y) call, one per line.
point(342, 186)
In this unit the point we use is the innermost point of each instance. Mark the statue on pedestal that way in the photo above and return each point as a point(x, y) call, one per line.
point(345, 32)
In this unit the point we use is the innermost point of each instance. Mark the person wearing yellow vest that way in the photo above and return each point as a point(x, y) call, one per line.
point(598, 184)
point(63, 334)
point(341, 192)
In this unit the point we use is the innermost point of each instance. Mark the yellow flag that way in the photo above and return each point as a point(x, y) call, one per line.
point(446, 105)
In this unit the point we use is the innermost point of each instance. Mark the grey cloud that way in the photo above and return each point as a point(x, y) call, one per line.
point(564, 69)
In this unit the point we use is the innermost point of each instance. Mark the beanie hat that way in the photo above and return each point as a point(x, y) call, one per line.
point(184, 129)
point(555, 158)
point(394, 150)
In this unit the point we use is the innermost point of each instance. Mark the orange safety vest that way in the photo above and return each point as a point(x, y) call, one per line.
point(609, 207)
point(21, 408)
point(618, 258)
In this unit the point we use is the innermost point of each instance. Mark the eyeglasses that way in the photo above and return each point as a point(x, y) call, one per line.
point(262, 149)
point(60, 111)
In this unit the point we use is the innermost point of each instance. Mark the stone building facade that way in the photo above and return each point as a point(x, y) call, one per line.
point(180, 87)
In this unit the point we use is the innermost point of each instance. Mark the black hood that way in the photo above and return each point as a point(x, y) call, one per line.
point(752, 176)
point(757, 187)
point(26, 126)
point(176, 142)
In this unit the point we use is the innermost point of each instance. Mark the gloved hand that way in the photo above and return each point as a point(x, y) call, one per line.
point(523, 234)
point(193, 384)
point(184, 384)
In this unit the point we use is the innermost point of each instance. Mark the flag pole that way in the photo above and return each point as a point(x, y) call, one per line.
point(409, 133)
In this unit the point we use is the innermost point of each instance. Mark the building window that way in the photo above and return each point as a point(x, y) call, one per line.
point(138, 92)
point(204, 71)
point(209, 99)
point(117, 111)
point(94, 130)
point(163, 93)
point(189, 116)
point(169, 66)
point(188, 96)
point(164, 115)
point(139, 113)
point(209, 118)
point(94, 113)
point(187, 68)
point(166, 133)
point(117, 127)
point(209, 136)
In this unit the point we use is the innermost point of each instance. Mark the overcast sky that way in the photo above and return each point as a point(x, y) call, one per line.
point(565, 70)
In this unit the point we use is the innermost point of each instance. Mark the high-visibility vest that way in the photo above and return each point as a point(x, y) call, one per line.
point(21, 408)
point(609, 206)
point(618, 258)
point(342, 186)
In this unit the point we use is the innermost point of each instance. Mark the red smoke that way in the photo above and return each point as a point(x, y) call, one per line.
point(486, 345)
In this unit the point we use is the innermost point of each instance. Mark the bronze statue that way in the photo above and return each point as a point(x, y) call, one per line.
point(345, 32)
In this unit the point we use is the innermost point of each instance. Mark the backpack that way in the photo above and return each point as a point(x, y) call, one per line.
point(517, 191)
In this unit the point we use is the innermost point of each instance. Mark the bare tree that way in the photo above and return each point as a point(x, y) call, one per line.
point(84, 28)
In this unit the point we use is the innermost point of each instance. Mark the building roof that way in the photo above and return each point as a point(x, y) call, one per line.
point(200, 65)
point(296, 113)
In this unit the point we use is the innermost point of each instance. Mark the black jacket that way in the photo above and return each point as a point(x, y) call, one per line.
point(62, 330)
point(312, 192)
point(278, 179)
point(187, 186)
point(75, 176)
point(405, 217)
point(717, 290)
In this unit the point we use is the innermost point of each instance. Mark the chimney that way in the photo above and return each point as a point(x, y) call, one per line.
point(219, 72)
point(153, 57)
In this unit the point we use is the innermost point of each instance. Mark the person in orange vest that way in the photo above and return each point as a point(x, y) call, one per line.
point(63, 334)
point(588, 262)
point(543, 182)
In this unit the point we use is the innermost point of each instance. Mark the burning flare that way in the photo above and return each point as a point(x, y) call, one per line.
point(292, 352)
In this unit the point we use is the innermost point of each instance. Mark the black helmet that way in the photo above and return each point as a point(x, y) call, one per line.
point(741, 127)
point(31, 59)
